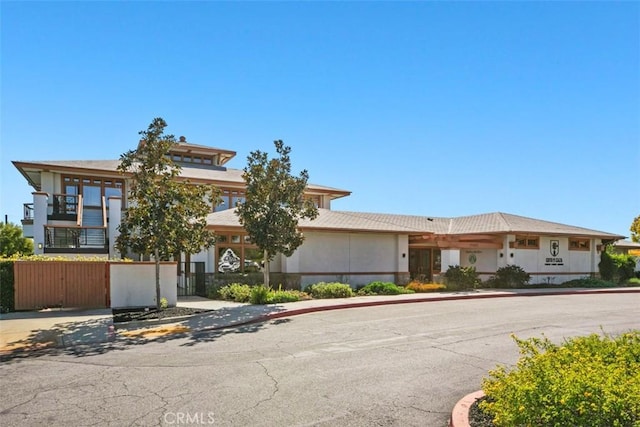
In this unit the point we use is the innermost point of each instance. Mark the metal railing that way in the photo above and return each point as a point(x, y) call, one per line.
point(28, 211)
point(75, 239)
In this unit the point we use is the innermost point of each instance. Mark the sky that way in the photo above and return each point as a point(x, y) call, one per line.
point(421, 108)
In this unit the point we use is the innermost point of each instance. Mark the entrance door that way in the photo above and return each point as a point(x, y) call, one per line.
point(424, 263)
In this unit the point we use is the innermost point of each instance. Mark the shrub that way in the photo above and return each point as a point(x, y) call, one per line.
point(587, 381)
point(237, 292)
point(7, 302)
point(259, 294)
point(616, 267)
point(457, 277)
point(425, 287)
point(164, 303)
point(634, 281)
point(510, 276)
point(329, 290)
point(588, 282)
point(383, 288)
point(280, 296)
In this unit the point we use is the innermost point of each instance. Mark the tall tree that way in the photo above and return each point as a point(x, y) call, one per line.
point(165, 215)
point(635, 229)
point(274, 204)
point(12, 242)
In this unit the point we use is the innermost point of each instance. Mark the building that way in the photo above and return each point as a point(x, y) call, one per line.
point(77, 208)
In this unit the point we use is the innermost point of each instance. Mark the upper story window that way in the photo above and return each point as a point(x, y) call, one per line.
point(527, 242)
point(196, 159)
point(576, 244)
point(230, 199)
point(92, 189)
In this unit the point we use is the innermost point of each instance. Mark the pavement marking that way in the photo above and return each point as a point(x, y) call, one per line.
point(155, 332)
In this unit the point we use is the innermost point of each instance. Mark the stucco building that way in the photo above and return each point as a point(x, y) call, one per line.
point(77, 207)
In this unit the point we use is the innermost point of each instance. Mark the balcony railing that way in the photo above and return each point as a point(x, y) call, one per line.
point(27, 211)
point(76, 239)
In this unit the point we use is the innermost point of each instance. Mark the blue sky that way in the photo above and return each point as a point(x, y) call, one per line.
point(425, 108)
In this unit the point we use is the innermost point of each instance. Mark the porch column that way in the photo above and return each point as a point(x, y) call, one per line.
point(449, 257)
point(113, 222)
point(40, 200)
point(212, 265)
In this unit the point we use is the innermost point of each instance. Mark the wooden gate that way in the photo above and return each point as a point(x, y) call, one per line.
point(77, 284)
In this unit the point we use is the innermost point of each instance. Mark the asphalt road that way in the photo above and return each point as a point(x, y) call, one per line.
point(403, 365)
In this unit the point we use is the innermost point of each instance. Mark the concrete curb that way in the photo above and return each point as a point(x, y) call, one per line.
point(306, 310)
point(460, 413)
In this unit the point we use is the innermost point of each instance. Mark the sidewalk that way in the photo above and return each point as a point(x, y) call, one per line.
point(65, 329)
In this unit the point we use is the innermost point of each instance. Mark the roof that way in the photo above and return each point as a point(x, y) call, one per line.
point(626, 244)
point(217, 175)
point(491, 223)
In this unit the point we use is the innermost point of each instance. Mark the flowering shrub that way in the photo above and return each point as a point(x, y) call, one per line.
point(587, 381)
point(425, 287)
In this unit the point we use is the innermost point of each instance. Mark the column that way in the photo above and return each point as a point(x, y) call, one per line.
point(449, 257)
point(40, 206)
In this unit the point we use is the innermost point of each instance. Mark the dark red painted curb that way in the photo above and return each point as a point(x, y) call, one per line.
point(306, 310)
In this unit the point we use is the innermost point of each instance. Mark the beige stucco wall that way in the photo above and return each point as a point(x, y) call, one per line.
point(133, 284)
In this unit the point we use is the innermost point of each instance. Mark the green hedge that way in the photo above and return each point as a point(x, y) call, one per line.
point(7, 302)
point(587, 381)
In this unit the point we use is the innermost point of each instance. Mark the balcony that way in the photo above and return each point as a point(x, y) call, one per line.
point(27, 220)
point(59, 239)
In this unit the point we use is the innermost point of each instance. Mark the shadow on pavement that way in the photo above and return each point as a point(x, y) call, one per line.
point(100, 336)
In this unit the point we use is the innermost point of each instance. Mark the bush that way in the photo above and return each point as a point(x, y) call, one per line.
point(425, 287)
point(588, 282)
point(7, 302)
point(587, 381)
point(237, 292)
point(457, 277)
point(259, 294)
point(329, 290)
point(510, 276)
point(383, 288)
point(616, 267)
point(280, 296)
point(634, 281)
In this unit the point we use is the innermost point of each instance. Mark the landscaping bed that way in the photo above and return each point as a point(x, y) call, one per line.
point(479, 418)
point(134, 314)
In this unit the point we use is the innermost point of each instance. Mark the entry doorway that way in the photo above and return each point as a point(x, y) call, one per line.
point(424, 263)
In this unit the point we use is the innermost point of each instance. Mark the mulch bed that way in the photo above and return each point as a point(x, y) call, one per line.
point(129, 315)
point(477, 418)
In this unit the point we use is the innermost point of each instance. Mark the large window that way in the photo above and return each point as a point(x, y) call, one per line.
point(527, 242)
point(576, 244)
point(92, 189)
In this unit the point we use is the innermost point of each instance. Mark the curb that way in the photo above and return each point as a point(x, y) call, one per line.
point(306, 310)
point(460, 413)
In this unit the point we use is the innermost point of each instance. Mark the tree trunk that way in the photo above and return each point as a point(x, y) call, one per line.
point(266, 268)
point(157, 259)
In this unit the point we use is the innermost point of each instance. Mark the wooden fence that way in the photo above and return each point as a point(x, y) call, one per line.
point(80, 284)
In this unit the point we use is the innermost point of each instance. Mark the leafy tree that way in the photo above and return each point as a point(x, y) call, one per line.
point(635, 229)
point(274, 204)
point(165, 215)
point(12, 242)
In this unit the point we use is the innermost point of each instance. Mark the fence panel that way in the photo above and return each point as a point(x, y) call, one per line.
point(80, 284)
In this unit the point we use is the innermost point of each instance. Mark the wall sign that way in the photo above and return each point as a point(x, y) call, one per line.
point(554, 250)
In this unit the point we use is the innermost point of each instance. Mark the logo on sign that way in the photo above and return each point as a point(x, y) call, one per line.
point(554, 247)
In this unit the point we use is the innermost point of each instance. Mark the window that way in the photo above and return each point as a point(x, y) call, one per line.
point(576, 244)
point(229, 199)
point(92, 189)
point(236, 254)
point(527, 242)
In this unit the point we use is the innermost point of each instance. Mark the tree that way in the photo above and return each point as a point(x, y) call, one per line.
point(165, 215)
point(12, 242)
point(635, 229)
point(274, 204)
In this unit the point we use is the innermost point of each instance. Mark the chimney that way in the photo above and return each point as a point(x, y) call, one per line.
point(183, 140)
